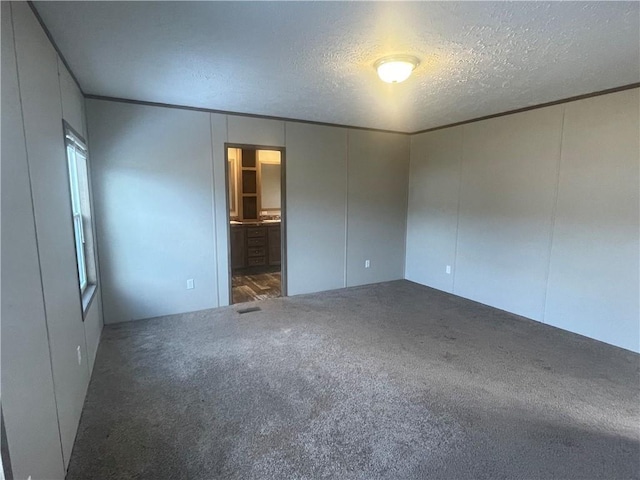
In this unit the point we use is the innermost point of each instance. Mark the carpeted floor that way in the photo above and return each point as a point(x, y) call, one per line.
point(388, 381)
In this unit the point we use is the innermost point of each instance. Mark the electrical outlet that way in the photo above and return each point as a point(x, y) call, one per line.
point(448, 269)
point(190, 284)
point(79, 352)
point(367, 264)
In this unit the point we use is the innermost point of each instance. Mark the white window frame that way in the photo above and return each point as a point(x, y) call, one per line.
point(75, 147)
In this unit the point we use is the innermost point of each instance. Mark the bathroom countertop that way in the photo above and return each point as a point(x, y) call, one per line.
point(253, 223)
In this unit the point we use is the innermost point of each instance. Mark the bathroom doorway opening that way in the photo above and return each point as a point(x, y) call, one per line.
point(256, 219)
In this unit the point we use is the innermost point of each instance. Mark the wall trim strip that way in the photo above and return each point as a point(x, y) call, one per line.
point(328, 124)
point(534, 107)
point(238, 114)
point(55, 45)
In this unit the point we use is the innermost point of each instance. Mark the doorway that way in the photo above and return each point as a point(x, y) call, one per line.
point(255, 180)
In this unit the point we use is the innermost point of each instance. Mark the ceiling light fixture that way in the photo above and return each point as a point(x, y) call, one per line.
point(396, 68)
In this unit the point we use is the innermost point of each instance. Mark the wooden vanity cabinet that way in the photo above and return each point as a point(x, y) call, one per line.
point(255, 246)
point(238, 242)
point(256, 249)
point(275, 251)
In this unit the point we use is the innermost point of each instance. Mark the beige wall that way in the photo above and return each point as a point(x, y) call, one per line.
point(154, 209)
point(378, 172)
point(536, 213)
point(28, 398)
point(159, 189)
point(593, 286)
point(316, 207)
point(432, 219)
point(507, 194)
point(43, 384)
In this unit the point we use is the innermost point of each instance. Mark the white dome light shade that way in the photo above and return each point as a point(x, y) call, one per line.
point(397, 68)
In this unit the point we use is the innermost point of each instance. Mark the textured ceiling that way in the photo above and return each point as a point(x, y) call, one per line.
point(314, 60)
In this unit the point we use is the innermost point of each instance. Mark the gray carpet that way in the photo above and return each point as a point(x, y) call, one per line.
point(388, 381)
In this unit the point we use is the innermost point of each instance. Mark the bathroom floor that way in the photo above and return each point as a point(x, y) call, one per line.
point(247, 288)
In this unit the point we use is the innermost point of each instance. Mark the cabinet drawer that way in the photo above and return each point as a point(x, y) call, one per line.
point(256, 252)
point(255, 232)
point(256, 241)
point(254, 261)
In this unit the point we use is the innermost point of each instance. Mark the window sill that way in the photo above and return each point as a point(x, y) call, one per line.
point(87, 298)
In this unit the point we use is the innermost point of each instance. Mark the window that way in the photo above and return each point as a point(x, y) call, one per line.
point(81, 212)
